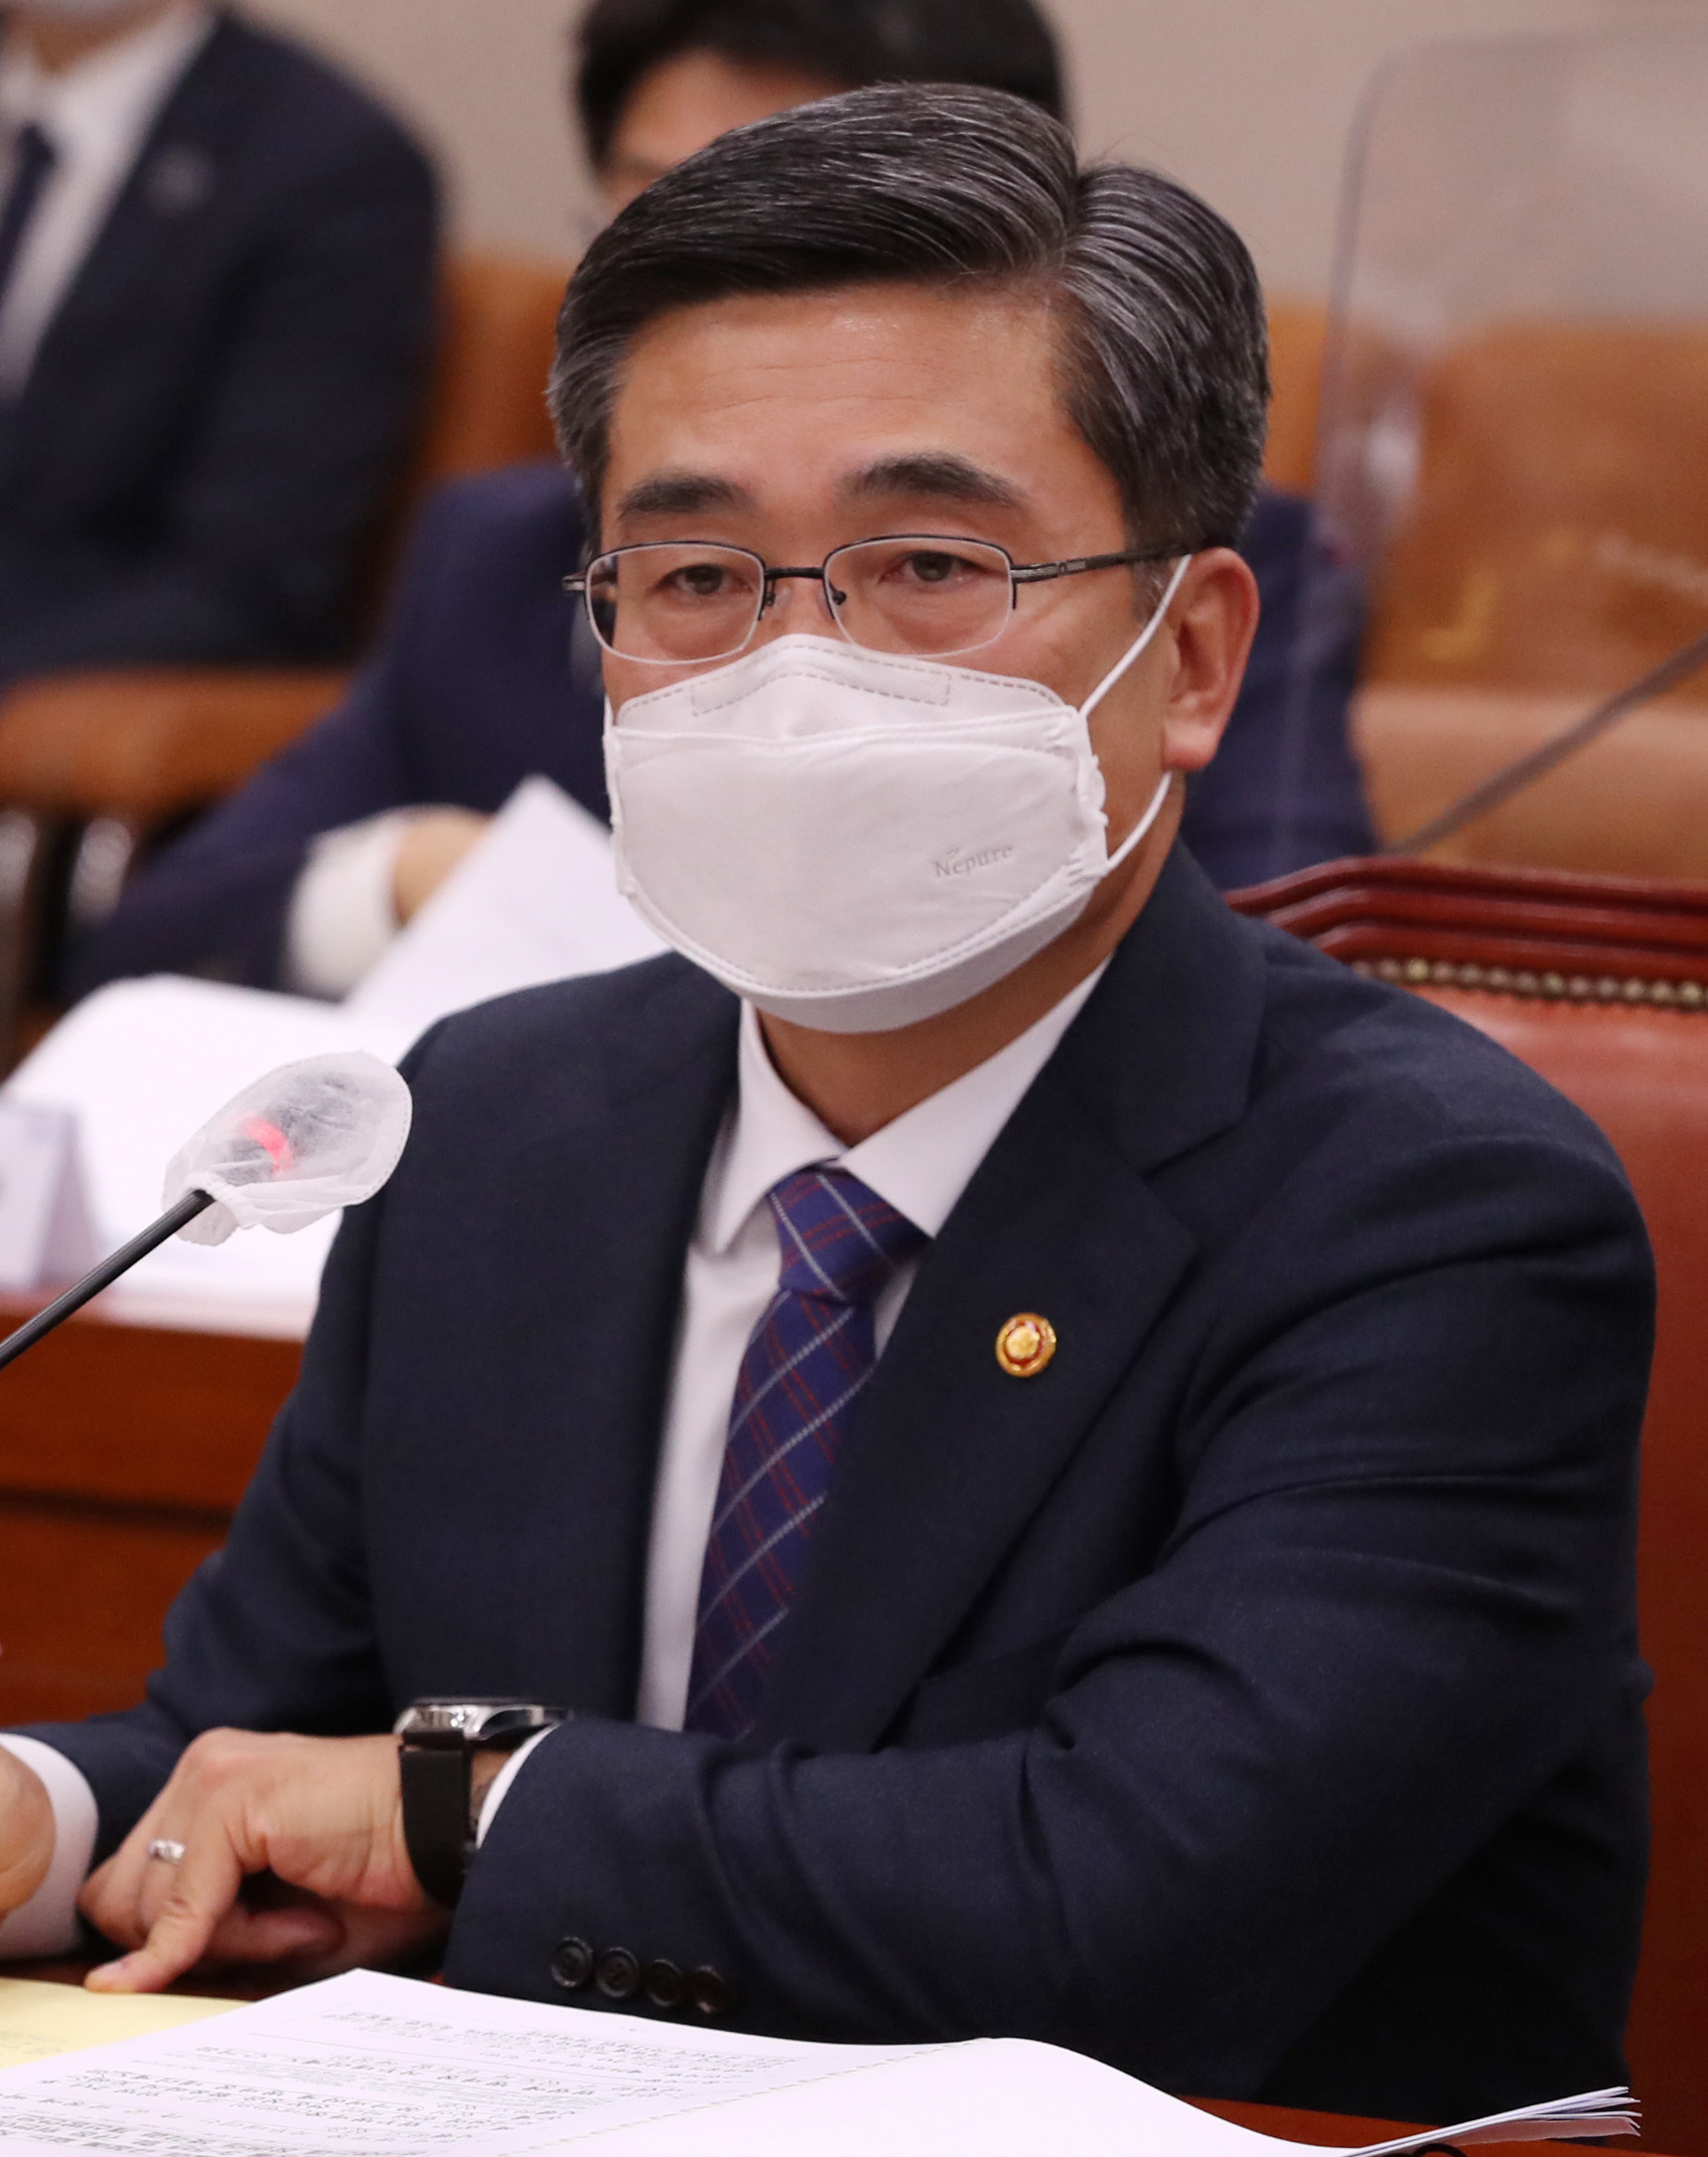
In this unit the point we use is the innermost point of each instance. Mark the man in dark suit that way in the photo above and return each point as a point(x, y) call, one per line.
point(477, 685)
point(216, 267)
point(1073, 1460)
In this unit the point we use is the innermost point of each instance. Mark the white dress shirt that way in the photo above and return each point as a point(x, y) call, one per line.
point(342, 914)
point(98, 114)
point(920, 1163)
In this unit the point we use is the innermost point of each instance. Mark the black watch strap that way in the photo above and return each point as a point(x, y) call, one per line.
point(435, 1786)
point(435, 1767)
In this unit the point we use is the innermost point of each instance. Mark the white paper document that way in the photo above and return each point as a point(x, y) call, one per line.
point(536, 901)
point(45, 1227)
point(140, 1065)
point(392, 2068)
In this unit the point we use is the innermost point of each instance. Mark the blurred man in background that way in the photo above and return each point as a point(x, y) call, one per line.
point(488, 674)
point(216, 270)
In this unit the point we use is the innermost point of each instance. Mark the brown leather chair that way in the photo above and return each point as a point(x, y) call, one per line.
point(90, 763)
point(1554, 547)
point(1602, 986)
point(1298, 332)
point(1631, 802)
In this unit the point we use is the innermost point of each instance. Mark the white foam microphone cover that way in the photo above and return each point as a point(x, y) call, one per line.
point(294, 1146)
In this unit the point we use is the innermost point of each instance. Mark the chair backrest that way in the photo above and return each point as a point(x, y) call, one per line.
point(1555, 547)
point(487, 407)
point(1556, 537)
point(1298, 332)
point(1602, 986)
point(1634, 802)
point(485, 403)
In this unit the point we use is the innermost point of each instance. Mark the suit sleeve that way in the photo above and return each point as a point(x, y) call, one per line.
point(1388, 1613)
point(254, 549)
point(1285, 790)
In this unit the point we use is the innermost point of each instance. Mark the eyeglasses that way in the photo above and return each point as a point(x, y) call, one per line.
point(674, 603)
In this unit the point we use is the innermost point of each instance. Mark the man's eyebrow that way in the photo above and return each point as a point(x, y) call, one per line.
point(681, 493)
point(940, 473)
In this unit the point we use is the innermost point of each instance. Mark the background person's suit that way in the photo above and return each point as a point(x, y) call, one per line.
point(206, 439)
point(1252, 1698)
point(489, 673)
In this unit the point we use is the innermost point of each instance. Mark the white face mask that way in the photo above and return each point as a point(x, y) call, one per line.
point(856, 840)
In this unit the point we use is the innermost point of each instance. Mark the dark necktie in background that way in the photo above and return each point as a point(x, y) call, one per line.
point(32, 160)
point(808, 1361)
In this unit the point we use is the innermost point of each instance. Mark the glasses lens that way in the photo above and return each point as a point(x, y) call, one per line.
point(677, 603)
point(924, 596)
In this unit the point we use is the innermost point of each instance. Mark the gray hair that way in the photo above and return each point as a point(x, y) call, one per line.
point(1161, 316)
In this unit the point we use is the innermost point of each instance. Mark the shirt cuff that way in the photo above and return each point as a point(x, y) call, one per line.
point(498, 1788)
point(342, 916)
point(48, 1923)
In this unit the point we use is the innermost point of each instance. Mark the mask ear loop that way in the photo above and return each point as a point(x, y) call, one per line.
point(1127, 659)
point(1140, 644)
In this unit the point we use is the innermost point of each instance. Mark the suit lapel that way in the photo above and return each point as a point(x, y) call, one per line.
point(582, 1352)
point(951, 1457)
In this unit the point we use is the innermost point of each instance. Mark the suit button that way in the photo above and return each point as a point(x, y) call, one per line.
point(572, 1964)
point(617, 1974)
point(710, 1990)
point(664, 1984)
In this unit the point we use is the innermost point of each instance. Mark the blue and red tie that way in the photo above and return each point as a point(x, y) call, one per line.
point(809, 1361)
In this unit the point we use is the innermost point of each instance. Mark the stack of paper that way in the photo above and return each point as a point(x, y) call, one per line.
point(390, 2067)
point(536, 901)
point(142, 1064)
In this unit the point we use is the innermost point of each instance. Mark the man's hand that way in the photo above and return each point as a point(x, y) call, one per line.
point(26, 1833)
point(435, 843)
point(322, 1817)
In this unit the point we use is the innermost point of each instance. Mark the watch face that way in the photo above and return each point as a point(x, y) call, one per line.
point(460, 1715)
point(475, 1722)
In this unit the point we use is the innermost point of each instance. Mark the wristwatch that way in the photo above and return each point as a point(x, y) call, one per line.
point(435, 1766)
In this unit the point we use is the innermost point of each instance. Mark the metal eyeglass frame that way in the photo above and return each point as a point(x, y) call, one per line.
point(1019, 573)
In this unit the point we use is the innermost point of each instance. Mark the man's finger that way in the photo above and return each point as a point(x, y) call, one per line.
point(203, 1888)
point(123, 1897)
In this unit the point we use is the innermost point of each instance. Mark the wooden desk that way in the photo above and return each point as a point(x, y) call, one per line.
point(123, 1450)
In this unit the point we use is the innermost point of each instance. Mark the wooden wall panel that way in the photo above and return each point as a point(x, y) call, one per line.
point(83, 1592)
point(122, 1452)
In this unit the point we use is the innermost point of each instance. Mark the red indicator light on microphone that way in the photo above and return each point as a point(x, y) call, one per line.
point(272, 1142)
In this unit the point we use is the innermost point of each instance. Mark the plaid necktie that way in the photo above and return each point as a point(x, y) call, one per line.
point(807, 1364)
point(33, 159)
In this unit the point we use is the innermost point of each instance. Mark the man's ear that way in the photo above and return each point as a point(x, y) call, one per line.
point(1212, 619)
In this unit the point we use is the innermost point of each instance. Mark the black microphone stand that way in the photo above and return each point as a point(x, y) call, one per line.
point(103, 1275)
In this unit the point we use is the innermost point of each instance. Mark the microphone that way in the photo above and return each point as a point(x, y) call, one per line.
point(291, 1148)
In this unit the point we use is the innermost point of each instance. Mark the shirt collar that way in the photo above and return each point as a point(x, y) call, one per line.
point(920, 1163)
point(119, 89)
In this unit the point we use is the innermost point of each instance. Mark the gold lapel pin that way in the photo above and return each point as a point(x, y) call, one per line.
point(1025, 1344)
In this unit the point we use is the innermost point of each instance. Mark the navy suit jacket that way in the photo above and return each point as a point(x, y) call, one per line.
point(489, 673)
point(1252, 1698)
point(202, 447)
